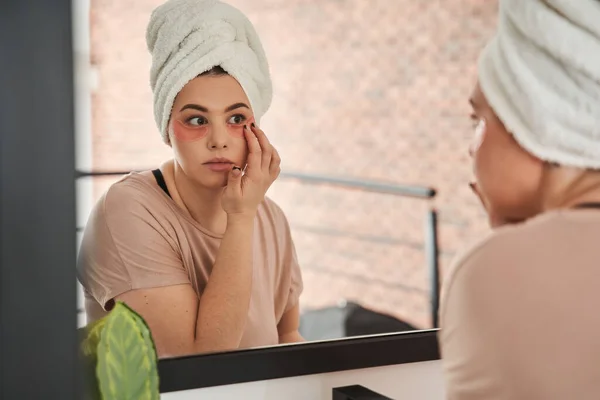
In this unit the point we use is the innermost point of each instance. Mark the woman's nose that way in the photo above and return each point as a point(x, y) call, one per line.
point(218, 138)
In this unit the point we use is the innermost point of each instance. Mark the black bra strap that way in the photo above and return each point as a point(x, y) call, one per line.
point(160, 179)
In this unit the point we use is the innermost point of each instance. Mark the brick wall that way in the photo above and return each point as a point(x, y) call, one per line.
point(369, 89)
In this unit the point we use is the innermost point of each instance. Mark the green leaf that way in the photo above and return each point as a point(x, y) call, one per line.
point(88, 352)
point(127, 357)
point(93, 332)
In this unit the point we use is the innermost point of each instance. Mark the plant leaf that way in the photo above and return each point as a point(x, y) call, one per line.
point(92, 337)
point(127, 357)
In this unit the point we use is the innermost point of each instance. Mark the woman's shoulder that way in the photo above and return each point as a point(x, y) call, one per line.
point(273, 220)
point(132, 196)
point(133, 189)
point(528, 246)
point(531, 236)
point(496, 241)
point(270, 209)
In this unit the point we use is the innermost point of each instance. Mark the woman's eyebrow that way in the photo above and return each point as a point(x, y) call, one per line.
point(198, 107)
point(194, 107)
point(236, 105)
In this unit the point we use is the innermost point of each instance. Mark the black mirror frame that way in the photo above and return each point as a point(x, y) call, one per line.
point(37, 234)
point(207, 370)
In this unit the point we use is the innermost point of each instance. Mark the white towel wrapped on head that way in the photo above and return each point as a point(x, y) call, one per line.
point(189, 37)
point(541, 75)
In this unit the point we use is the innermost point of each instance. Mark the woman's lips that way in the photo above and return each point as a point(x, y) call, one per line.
point(218, 166)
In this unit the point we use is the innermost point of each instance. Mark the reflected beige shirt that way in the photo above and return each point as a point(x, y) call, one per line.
point(520, 313)
point(137, 237)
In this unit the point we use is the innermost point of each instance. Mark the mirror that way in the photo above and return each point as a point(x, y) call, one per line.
point(370, 117)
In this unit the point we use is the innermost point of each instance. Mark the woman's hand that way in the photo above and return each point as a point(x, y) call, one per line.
point(243, 194)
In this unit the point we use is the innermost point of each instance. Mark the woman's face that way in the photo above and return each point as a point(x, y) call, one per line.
point(508, 177)
point(206, 129)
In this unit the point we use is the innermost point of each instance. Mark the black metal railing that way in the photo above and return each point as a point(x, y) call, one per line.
point(371, 186)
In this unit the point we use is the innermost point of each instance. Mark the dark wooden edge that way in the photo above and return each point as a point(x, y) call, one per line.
point(201, 371)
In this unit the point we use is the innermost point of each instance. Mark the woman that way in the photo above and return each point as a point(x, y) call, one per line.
point(519, 315)
point(195, 247)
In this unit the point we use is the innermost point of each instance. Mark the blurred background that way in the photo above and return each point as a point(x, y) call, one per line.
point(366, 90)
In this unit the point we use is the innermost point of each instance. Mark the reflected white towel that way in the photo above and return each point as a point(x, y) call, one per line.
point(188, 37)
point(541, 75)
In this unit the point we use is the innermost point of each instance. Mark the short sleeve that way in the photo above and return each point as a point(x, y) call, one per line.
point(296, 283)
point(288, 279)
point(291, 267)
point(128, 243)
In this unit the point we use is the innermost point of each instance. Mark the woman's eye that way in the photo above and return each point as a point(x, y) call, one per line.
point(236, 119)
point(196, 121)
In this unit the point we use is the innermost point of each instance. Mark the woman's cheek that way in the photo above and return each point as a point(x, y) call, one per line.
point(184, 133)
point(490, 167)
point(238, 130)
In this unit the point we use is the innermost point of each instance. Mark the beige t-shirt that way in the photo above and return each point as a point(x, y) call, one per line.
point(520, 313)
point(137, 237)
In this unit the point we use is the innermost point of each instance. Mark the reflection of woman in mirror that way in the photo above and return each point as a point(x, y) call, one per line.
point(195, 247)
point(520, 317)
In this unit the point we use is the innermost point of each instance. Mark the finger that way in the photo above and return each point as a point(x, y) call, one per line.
point(275, 167)
point(265, 145)
point(234, 180)
point(254, 153)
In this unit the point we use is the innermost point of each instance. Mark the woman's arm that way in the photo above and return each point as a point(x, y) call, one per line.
point(288, 326)
point(182, 324)
point(223, 308)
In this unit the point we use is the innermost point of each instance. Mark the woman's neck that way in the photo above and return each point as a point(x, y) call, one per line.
point(566, 187)
point(202, 204)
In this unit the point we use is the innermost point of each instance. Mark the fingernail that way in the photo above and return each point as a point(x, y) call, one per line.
point(236, 168)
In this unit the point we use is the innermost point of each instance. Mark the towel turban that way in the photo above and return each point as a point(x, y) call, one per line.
point(541, 75)
point(189, 37)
